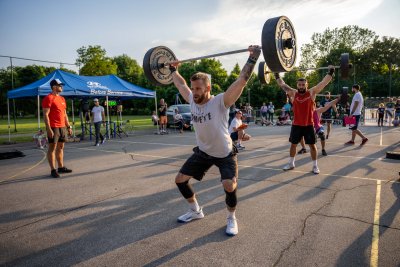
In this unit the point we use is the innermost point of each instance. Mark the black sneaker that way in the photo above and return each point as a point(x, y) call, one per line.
point(64, 170)
point(302, 151)
point(324, 152)
point(55, 174)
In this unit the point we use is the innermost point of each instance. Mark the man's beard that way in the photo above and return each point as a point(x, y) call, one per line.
point(301, 91)
point(199, 99)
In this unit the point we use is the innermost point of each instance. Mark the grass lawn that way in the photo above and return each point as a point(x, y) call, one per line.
point(28, 126)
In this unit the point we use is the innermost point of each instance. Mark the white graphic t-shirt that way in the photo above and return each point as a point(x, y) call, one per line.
point(357, 97)
point(235, 124)
point(97, 111)
point(210, 123)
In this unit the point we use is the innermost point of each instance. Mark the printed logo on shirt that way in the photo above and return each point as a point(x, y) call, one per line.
point(201, 118)
point(302, 100)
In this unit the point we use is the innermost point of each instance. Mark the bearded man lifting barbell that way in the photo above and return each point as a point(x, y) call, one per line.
point(214, 144)
point(303, 106)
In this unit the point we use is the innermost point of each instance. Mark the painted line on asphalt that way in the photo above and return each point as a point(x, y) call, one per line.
point(30, 168)
point(240, 165)
point(381, 138)
point(255, 150)
point(375, 231)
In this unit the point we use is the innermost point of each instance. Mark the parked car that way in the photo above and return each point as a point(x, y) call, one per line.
point(184, 110)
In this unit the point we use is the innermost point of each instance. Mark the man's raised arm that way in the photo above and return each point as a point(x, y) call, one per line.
point(235, 90)
point(281, 83)
point(325, 81)
point(180, 83)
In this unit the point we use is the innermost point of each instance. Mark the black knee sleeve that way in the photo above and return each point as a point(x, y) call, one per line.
point(231, 199)
point(185, 189)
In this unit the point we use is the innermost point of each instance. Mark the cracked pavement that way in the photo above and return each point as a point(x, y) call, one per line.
point(120, 204)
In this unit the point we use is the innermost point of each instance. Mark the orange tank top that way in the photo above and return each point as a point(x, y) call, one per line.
point(303, 107)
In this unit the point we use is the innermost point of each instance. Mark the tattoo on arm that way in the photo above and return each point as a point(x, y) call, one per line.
point(247, 71)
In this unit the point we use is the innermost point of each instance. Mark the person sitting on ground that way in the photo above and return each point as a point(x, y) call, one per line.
point(236, 130)
point(155, 119)
point(40, 139)
point(179, 121)
point(265, 122)
point(284, 118)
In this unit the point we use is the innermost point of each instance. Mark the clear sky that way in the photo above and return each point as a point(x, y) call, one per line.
point(54, 29)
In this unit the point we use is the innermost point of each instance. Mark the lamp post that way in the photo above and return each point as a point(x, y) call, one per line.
point(390, 79)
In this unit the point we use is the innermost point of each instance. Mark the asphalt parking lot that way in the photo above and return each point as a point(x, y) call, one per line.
point(120, 204)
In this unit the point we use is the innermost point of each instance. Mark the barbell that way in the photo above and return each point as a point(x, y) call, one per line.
point(264, 72)
point(278, 44)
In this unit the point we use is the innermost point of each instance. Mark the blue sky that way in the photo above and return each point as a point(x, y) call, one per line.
point(53, 29)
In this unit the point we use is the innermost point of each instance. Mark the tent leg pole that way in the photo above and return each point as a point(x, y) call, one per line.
point(8, 116)
point(73, 119)
point(15, 120)
point(108, 119)
point(38, 112)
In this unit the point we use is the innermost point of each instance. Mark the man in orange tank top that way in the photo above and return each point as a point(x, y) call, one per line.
point(303, 106)
point(57, 125)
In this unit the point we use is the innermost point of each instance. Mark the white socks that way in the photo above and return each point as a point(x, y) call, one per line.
point(315, 164)
point(291, 160)
point(194, 205)
point(231, 214)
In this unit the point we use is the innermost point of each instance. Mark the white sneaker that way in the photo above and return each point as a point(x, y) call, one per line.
point(288, 167)
point(240, 147)
point(231, 226)
point(191, 215)
point(103, 141)
point(315, 170)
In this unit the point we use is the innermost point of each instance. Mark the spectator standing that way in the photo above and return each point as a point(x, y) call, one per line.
point(271, 111)
point(355, 110)
point(380, 114)
point(264, 111)
point(98, 118)
point(249, 111)
point(389, 111)
point(288, 107)
point(163, 116)
point(56, 120)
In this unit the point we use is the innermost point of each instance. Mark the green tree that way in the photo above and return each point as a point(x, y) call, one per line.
point(347, 38)
point(232, 76)
point(217, 72)
point(128, 69)
point(94, 61)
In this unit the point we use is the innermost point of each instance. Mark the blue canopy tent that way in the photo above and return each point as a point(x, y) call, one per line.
point(109, 86)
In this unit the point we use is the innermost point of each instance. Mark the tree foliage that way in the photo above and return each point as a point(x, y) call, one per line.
point(347, 38)
point(94, 61)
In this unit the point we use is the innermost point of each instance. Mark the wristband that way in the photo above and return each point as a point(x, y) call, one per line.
point(252, 60)
point(331, 72)
point(277, 76)
point(172, 69)
point(69, 127)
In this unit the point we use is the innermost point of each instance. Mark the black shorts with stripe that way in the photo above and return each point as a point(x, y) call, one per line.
point(200, 162)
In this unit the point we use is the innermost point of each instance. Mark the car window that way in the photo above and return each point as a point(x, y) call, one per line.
point(184, 109)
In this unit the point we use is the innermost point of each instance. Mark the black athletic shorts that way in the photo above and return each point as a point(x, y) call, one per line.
point(297, 132)
point(357, 122)
point(60, 135)
point(234, 136)
point(326, 118)
point(200, 162)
